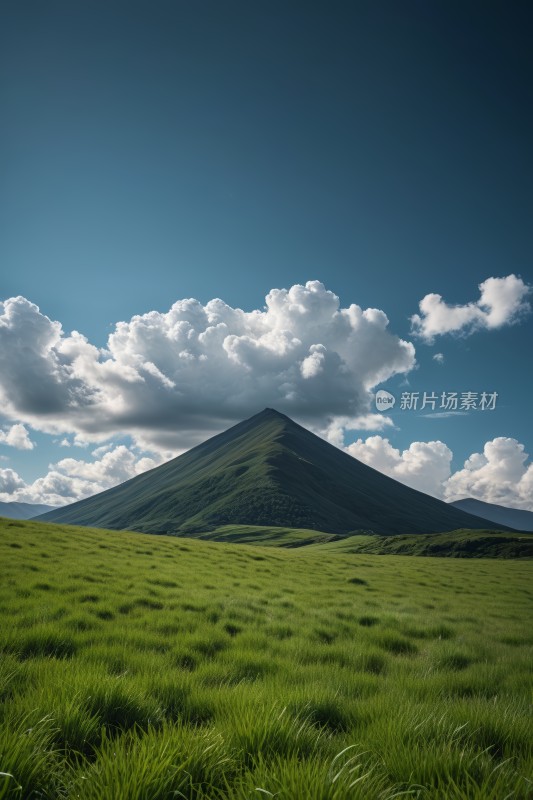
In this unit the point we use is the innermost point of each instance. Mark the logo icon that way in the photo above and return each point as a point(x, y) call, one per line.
point(384, 400)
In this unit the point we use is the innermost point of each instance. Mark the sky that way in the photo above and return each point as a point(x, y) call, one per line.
point(208, 208)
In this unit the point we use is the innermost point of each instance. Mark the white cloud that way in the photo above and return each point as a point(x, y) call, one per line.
point(424, 465)
point(335, 432)
point(444, 414)
point(498, 475)
point(502, 301)
point(115, 466)
point(313, 364)
point(439, 358)
point(72, 479)
point(369, 422)
point(171, 379)
point(17, 436)
point(10, 482)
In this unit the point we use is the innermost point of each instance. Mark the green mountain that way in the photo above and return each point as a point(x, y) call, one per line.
point(267, 471)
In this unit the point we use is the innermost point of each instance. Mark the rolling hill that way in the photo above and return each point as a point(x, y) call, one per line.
point(265, 471)
point(515, 518)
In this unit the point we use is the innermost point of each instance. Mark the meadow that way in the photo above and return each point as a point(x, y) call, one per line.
point(149, 667)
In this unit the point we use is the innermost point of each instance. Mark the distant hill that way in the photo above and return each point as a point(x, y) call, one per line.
point(512, 517)
point(23, 510)
point(265, 471)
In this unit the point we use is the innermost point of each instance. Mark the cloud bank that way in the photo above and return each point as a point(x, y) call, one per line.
point(498, 475)
point(74, 479)
point(169, 379)
point(502, 301)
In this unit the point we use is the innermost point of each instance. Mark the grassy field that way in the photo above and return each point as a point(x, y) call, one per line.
point(148, 667)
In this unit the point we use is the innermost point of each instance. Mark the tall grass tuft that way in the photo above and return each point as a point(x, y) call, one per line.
point(174, 761)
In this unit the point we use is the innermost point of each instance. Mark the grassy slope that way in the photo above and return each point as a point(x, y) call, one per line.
point(265, 471)
point(265, 536)
point(141, 667)
point(455, 544)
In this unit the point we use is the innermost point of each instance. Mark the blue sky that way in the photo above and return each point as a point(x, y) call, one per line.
point(157, 151)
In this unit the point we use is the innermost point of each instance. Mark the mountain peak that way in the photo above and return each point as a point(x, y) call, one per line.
point(271, 414)
point(266, 470)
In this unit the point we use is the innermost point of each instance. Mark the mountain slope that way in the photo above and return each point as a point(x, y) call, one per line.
point(23, 510)
point(513, 517)
point(267, 471)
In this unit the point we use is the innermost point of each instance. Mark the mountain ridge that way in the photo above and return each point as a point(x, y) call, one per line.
point(517, 518)
point(265, 470)
point(15, 510)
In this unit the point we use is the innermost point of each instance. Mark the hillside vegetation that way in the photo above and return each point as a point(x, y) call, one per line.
point(452, 544)
point(150, 668)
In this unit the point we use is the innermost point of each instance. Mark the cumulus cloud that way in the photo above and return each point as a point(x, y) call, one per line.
point(170, 379)
point(498, 475)
point(439, 358)
point(73, 479)
point(423, 465)
point(502, 301)
point(17, 436)
point(10, 482)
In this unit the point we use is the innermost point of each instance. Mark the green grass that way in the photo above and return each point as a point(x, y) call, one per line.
point(158, 667)
point(265, 535)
